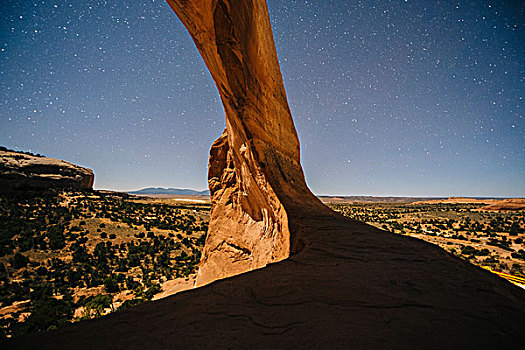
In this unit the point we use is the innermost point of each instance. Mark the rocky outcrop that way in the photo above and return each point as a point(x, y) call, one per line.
point(255, 178)
point(22, 172)
point(506, 204)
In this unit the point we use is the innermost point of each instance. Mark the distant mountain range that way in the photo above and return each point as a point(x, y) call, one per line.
point(172, 191)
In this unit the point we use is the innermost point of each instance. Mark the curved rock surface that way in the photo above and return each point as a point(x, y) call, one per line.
point(255, 178)
point(21, 172)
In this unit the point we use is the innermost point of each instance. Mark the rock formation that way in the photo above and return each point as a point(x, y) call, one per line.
point(23, 172)
point(344, 285)
point(506, 204)
point(256, 181)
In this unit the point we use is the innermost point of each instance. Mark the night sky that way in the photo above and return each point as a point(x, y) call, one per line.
point(418, 98)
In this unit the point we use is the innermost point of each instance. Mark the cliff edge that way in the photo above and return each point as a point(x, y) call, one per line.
point(23, 172)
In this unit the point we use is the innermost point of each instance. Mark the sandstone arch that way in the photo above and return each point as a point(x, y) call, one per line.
point(255, 177)
point(351, 286)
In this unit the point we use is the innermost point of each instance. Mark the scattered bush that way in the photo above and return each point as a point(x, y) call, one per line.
point(19, 260)
point(48, 314)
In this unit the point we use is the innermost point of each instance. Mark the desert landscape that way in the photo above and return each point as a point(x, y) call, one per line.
point(92, 253)
point(108, 251)
point(258, 260)
point(469, 228)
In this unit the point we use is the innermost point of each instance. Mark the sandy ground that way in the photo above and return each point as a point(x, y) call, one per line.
point(15, 307)
point(175, 286)
point(189, 200)
point(458, 200)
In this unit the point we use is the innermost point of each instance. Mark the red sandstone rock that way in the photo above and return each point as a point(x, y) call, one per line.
point(255, 177)
point(506, 204)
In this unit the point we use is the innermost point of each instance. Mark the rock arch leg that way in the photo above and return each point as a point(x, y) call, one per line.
point(256, 181)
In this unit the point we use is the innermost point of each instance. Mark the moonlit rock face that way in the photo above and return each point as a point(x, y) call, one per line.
point(255, 177)
point(20, 171)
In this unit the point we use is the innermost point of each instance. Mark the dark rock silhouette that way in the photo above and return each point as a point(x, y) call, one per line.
point(23, 172)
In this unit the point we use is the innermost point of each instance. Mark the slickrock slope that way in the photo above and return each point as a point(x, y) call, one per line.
point(256, 181)
point(354, 287)
point(24, 172)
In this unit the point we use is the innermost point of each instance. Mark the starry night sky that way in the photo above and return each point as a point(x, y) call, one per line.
point(420, 98)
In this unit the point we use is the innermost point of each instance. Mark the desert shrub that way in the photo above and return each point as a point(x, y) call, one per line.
point(201, 240)
point(19, 260)
point(514, 229)
point(520, 254)
point(131, 284)
point(155, 289)
point(98, 304)
point(48, 314)
point(131, 303)
point(111, 285)
point(3, 272)
point(41, 271)
point(41, 292)
point(163, 259)
point(56, 238)
point(101, 252)
point(80, 254)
